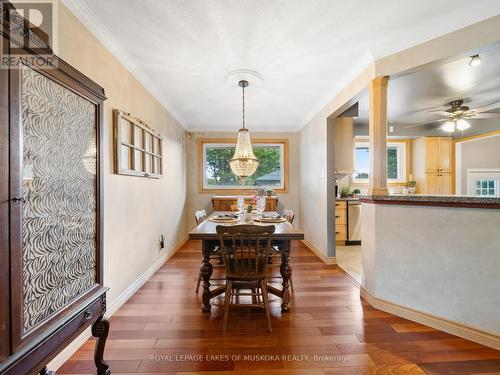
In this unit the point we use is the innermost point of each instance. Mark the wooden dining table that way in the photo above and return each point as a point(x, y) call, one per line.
point(283, 235)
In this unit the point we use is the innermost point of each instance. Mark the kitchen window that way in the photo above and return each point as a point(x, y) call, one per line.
point(483, 182)
point(396, 162)
point(216, 174)
point(486, 188)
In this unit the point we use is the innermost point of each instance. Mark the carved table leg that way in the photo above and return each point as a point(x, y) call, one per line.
point(100, 330)
point(286, 273)
point(206, 270)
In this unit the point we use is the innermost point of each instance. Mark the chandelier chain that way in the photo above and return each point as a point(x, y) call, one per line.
point(243, 97)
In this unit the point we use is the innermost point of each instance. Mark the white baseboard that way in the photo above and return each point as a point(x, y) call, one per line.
point(324, 258)
point(136, 285)
point(458, 329)
point(113, 307)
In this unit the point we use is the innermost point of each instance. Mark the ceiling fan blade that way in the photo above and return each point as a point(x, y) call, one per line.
point(441, 112)
point(425, 123)
point(487, 107)
point(486, 115)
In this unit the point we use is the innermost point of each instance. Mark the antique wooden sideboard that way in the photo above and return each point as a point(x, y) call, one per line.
point(224, 202)
point(51, 208)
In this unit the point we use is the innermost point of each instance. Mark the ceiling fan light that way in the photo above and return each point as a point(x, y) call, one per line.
point(462, 124)
point(475, 60)
point(448, 126)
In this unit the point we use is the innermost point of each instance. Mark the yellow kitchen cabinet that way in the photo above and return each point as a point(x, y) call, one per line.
point(432, 165)
point(437, 184)
point(340, 222)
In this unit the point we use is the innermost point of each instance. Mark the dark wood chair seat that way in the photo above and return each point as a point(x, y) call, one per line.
point(243, 270)
point(246, 249)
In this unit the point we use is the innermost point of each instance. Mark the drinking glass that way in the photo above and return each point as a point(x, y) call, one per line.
point(240, 203)
point(261, 206)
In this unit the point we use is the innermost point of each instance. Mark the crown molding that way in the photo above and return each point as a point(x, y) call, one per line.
point(101, 33)
point(269, 129)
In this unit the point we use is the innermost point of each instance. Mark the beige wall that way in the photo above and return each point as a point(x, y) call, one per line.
point(477, 153)
point(199, 201)
point(136, 210)
point(315, 173)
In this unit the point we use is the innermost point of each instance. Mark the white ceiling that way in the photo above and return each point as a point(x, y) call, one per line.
point(306, 50)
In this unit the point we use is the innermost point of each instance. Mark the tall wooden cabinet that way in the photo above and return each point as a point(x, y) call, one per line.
point(432, 165)
point(50, 204)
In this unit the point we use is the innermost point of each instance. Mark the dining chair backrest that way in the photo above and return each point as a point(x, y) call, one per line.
point(200, 216)
point(246, 249)
point(289, 215)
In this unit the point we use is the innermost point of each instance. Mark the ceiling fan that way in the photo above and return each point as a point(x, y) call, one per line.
point(456, 115)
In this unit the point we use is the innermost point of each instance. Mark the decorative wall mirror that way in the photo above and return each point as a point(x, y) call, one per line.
point(138, 148)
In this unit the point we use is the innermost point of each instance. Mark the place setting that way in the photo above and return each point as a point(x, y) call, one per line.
point(224, 217)
point(270, 217)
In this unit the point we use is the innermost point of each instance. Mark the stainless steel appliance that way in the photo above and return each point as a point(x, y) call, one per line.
point(353, 222)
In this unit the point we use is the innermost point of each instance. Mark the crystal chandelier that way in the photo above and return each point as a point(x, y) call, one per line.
point(244, 163)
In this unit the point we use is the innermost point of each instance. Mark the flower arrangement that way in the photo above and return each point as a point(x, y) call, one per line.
point(411, 184)
point(345, 191)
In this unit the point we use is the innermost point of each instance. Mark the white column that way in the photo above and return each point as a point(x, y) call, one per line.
point(378, 136)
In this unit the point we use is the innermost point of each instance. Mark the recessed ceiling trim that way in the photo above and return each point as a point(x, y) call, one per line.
point(235, 76)
point(101, 33)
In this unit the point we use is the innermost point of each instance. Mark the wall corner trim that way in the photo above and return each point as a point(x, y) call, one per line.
point(323, 257)
point(113, 307)
point(458, 329)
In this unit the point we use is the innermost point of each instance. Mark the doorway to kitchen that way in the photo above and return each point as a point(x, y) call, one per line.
point(345, 224)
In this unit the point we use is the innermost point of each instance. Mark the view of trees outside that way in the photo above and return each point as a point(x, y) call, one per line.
point(218, 172)
point(392, 163)
point(363, 163)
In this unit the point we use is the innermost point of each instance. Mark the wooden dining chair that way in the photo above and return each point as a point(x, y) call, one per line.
point(289, 215)
point(246, 249)
point(200, 216)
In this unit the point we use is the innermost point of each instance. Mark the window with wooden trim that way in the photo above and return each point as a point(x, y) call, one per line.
point(397, 162)
point(215, 172)
point(138, 148)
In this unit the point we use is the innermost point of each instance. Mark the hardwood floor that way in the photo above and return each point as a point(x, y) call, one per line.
point(329, 331)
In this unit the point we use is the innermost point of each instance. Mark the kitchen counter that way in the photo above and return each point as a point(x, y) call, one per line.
point(435, 257)
point(347, 199)
point(433, 200)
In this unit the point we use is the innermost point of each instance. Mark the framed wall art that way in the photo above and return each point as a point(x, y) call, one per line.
point(138, 148)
